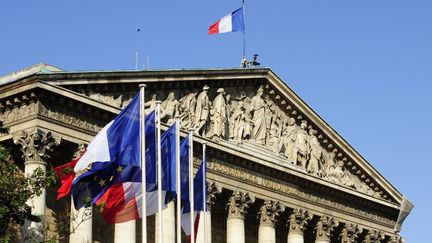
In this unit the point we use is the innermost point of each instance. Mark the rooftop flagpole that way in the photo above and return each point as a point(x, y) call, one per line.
point(244, 30)
point(159, 173)
point(143, 165)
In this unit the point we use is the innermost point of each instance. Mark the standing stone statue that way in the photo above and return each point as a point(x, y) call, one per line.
point(151, 104)
point(219, 128)
point(315, 153)
point(301, 148)
point(230, 109)
point(202, 112)
point(274, 138)
point(169, 108)
point(289, 132)
point(187, 109)
point(270, 114)
point(258, 111)
point(239, 121)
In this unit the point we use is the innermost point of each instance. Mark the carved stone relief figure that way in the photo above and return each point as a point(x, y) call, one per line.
point(329, 159)
point(240, 121)
point(231, 109)
point(202, 112)
point(117, 102)
point(270, 114)
point(219, 116)
point(169, 109)
point(187, 109)
point(287, 145)
point(315, 159)
point(301, 148)
point(258, 111)
point(151, 104)
point(274, 137)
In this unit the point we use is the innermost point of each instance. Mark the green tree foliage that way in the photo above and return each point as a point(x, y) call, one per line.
point(15, 190)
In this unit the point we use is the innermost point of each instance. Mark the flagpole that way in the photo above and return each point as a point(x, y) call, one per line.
point(159, 171)
point(204, 191)
point(191, 188)
point(178, 181)
point(143, 165)
point(244, 30)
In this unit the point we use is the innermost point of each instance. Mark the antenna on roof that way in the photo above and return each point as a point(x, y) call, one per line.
point(137, 48)
point(148, 63)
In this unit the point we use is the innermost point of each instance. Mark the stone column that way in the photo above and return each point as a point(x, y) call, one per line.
point(374, 236)
point(81, 221)
point(268, 213)
point(168, 224)
point(350, 233)
point(204, 229)
point(237, 205)
point(35, 145)
point(324, 229)
point(298, 221)
point(125, 232)
point(81, 224)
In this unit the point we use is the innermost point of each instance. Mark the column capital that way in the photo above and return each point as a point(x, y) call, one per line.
point(269, 211)
point(350, 233)
point(238, 203)
point(35, 144)
point(80, 151)
point(298, 220)
point(396, 239)
point(212, 190)
point(325, 227)
point(374, 236)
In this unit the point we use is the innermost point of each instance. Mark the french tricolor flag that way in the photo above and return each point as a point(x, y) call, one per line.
point(233, 22)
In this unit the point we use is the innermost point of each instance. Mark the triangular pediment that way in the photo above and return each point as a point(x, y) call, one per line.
point(276, 125)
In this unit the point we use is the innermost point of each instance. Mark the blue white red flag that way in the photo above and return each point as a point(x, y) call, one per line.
point(200, 196)
point(114, 177)
point(129, 207)
point(233, 22)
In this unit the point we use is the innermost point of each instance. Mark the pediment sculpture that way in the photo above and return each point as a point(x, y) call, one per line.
point(253, 117)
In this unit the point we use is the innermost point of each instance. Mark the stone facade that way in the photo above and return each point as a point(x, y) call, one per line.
point(276, 171)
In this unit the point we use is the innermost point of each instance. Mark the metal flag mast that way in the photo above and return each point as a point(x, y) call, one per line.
point(178, 180)
point(143, 165)
point(191, 189)
point(204, 190)
point(159, 173)
point(244, 30)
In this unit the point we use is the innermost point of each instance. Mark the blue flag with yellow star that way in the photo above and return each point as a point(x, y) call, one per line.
point(123, 143)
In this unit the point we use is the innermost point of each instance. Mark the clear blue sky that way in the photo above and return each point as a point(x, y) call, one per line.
point(364, 66)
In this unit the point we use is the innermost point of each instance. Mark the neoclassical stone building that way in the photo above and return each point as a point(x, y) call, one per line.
point(277, 172)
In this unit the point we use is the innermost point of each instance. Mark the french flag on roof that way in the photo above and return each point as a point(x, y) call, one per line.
point(233, 22)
